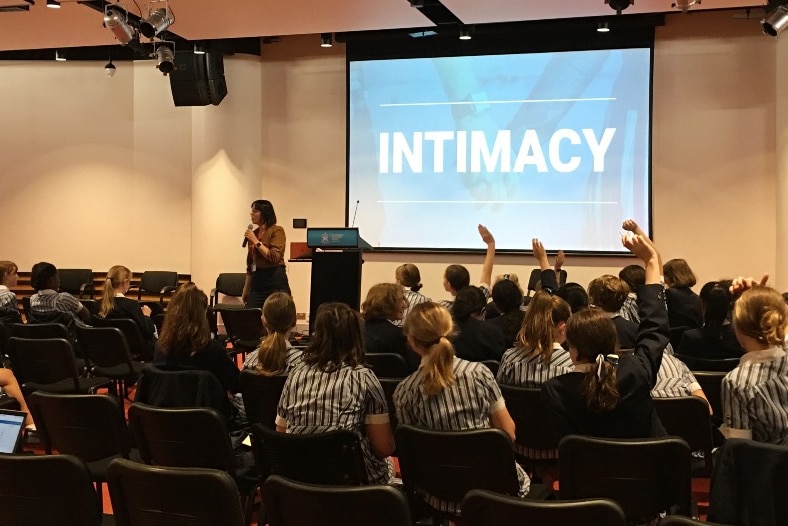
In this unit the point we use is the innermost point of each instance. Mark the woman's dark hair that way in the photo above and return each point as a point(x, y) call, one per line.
point(678, 274)
point(507, 296)
point(41, 275)
point(715, 300)
point(469, 300)
point(575, 295)
point(457, 276)
point(592, 333)
point(185, 329)
point(634, 276)
point(337, 340)
point(409, 276)
point(266, 209)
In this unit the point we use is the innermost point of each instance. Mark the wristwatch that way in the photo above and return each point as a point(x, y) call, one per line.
point(258, 244)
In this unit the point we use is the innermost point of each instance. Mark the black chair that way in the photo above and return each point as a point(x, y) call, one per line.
point(448, 464)
point(157, 282)
point(492, 365)
point(261, 395)
point(228, 284)
point(535, 278)
point(644, 476)
point(387, 365)
point(708, 364)
point(288, 503)
point(39, 331)
point(482, 508)
point(532, 423)
point(688, 417)
point(333, 458)
point(137, 346)
point(711, 383)
point(47, 489)
point(109, 354)
point(678, 520)
point(174, 388)
point(91, 305)
point(49, 365)
point(676, 335)
point(147, 495)
point(389, 385)
point(76, 281)
point(244, 328)
point(91, 427)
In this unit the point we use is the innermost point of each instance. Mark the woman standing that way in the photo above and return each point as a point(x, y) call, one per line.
point(265, 260)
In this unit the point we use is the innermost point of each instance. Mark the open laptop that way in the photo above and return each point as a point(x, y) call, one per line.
point(12, 430)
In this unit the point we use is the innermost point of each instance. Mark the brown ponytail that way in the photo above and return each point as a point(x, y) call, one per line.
point(600, 388)
point(115, 278)
point(430, 325)
point(279, 315)
point(591, 334)
point(544, 313)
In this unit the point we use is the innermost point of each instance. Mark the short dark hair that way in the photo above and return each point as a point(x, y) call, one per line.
point(575, 295)
point(507, 296)
point(41, 274)
point(469, 300)
point(457, 276)
point(266, 209)
point(634, 276)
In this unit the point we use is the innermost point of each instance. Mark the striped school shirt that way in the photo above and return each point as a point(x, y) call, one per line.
point(413, 299)
point(314, 401)
point(674, 378)
point(292, 357)
point(755, 397)
point(48, 301)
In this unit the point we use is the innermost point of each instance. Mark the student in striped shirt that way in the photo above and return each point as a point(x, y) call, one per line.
point(409, 278)
point(755, 394)
point(331, 389)
point(447, 393)
point(275, 355)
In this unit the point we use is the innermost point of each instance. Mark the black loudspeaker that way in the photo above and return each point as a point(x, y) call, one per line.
point(198, 79)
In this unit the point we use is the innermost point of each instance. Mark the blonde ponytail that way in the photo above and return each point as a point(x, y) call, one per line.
point(430, 325)
point(115, 278)
point(438, 369)
point(279, 317)
point(271, 354)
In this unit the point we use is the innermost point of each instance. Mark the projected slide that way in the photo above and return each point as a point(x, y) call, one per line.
point(548, 145)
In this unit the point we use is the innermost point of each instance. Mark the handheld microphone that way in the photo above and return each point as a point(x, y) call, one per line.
point(246, 241)
point(354, 214)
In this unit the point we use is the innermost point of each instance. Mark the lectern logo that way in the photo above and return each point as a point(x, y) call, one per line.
point(324, 238)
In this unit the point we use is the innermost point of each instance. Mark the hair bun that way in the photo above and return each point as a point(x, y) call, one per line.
point(417, 287)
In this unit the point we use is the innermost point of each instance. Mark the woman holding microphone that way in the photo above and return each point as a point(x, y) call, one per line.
point(265, 260)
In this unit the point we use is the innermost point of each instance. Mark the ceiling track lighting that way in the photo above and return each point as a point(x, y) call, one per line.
point(60, 56)
point(776, 21)
point(158, 20)
point(619, 5)
point(53, 4)
point(684, 5)
point(603, 27)
point(117, 21)
point(465, 33)
point(326, 40)
point(165, 57)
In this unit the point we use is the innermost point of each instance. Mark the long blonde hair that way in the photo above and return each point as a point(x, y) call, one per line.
point(430, 325)
point(543, 315)
point(279, 313)
point(115, 278)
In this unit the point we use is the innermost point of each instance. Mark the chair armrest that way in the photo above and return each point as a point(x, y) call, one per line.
point(83, 287)
point(164, 291)
point(213, 297)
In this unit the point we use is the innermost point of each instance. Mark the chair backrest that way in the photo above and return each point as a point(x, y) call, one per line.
point(130, 330)
point(530, 418)
point(47, 489)
point(448, 464)
point(536, 276)
point(644, 476)
point(482, 508)
point(387, 365)
point(43, 361)
point(91, 427)
point(39, 331)
point(492, 365)
point(228, 284)
point(193, 437)
point(148, 495)
point(688, 417)
point(708, 364)
point(333, 458)
point(76, 281)
point(678, 520)
point(261, 395)
point(91, 305)
point(159, 282)
point(711, 383)
point(105, 347)
point(243, 326)
point(168, 388)
point(288, 502)
point(389, 385)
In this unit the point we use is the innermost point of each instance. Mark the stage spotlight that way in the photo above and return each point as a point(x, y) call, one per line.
point(603, 27)
point(465, 33)
point(158, 20)
point(116, 22)
point(165, 59)
point(109, 69)
point(53, 4)
point(684, 5)
point(326, 40)
point(776, 21)
point(619, 5)
point(60, 56)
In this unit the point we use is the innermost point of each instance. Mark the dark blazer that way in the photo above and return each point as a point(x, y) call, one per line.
point(477, 341)
point(382, 336)
point(634, 417)
point(129, 308)
point(700, 345)
point(627, 332)
point(509, 324)
point(213, 358)
point(683, 308)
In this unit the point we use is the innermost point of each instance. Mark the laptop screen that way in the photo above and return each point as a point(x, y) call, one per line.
point(12, 424)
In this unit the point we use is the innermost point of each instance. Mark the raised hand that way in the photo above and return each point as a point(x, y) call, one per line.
point(630, 225)
point(487, 237)
point(639, 246)
point(559, 259)
point(539, 253)
point(741, 283)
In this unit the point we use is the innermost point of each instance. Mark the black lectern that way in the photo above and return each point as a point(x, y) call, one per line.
point(336, 268)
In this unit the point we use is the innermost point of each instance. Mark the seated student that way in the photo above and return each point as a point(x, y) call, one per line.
point(755, 394)
point(10, 386)
point(683, 304)
point(608, 293)
point(507, 298)
point(275, 355)
point(716, 339)
point(448, 393)
point(475, 340)
point(383, 306)
point(47, 303)
point(332, 389)
point(607, 395)
point(575, 295)
point(409, 278)
point(9, 309)
point(635, 277)
point(457, 277)
point(114, 304)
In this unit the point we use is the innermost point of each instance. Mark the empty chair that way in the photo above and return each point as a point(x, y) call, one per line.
point(138, 347)
point(261, 396)
point(688, 417)
point(49, 365)
point(47, 489)
point(109, 354)
point(39, 330)
point(644, 476)
point(535, 440)
point(146, 495)
point(229, 284)
point(708, 364)
point(76, 281)
point(91, 427)
point(334, 457)
point(158, 283)
point(288, 502)
point(387, 365)
point(483, 508)
point(172, 388)
point(244, 328)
